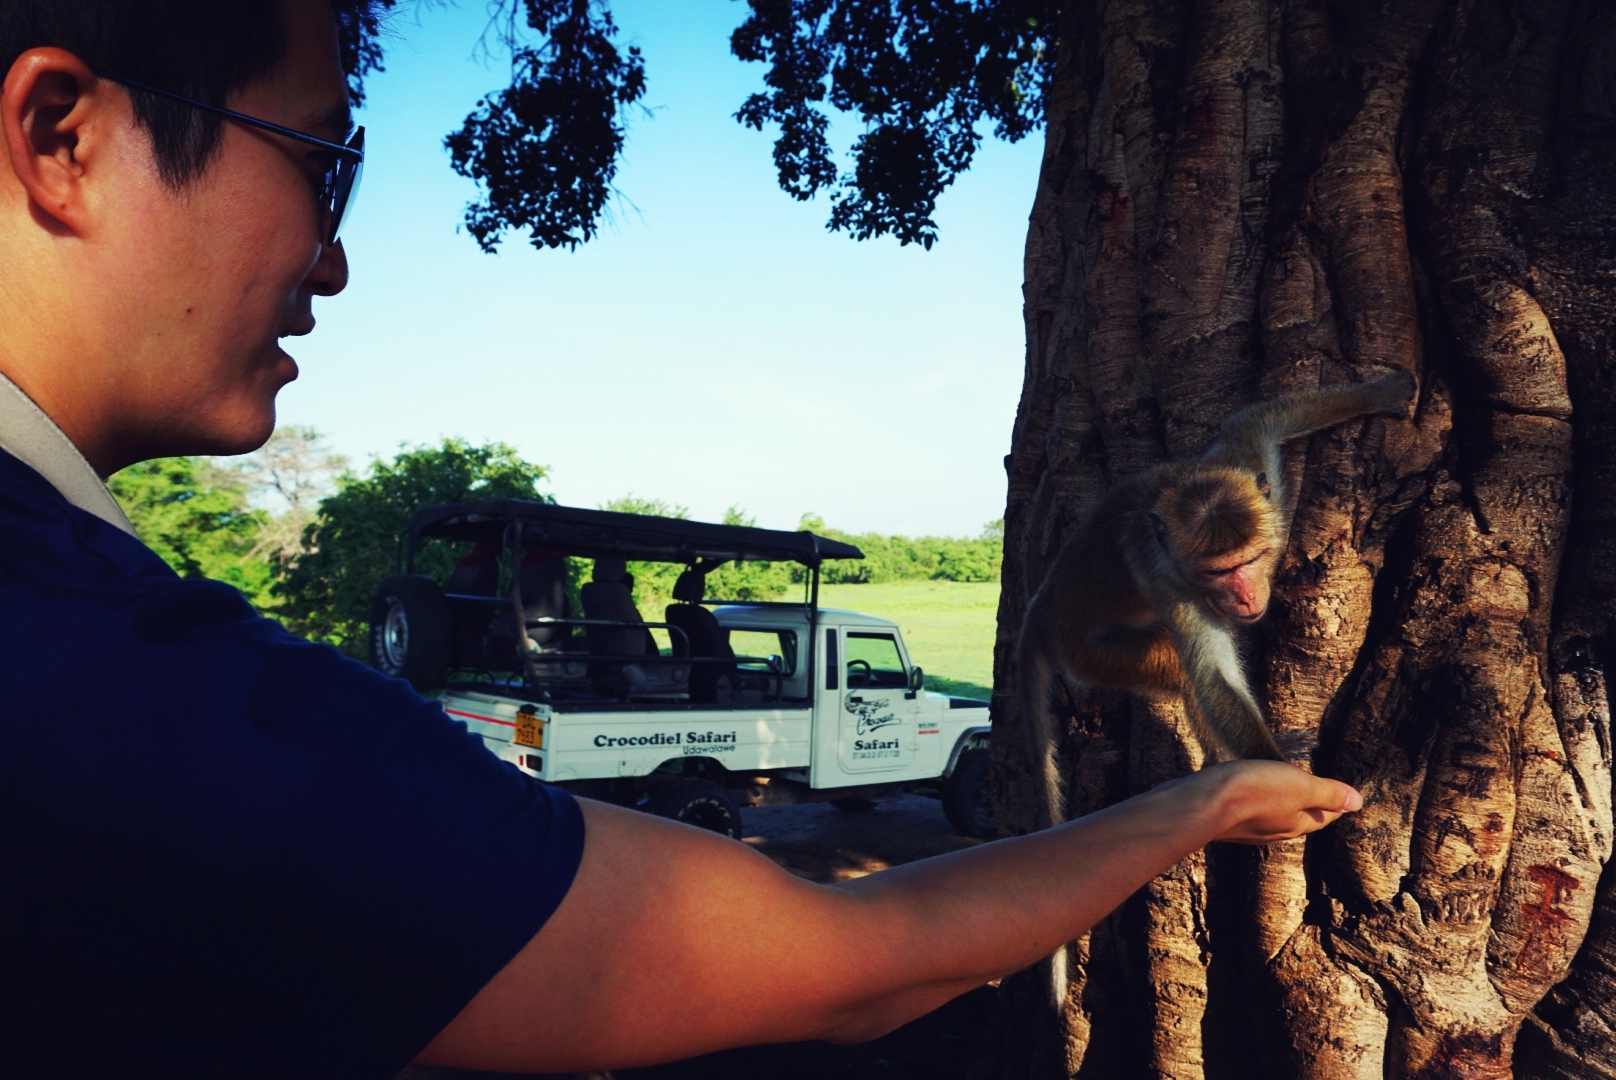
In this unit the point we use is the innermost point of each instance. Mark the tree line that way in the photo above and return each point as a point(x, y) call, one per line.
point(307, 537)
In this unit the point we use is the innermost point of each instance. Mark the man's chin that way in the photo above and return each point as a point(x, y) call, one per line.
point(230, 435)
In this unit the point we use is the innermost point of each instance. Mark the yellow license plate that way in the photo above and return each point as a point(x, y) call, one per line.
point(529, 731)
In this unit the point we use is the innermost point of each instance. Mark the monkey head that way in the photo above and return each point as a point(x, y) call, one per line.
point(1220, 533)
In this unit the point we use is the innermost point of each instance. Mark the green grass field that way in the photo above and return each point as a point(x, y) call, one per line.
point(948, 626)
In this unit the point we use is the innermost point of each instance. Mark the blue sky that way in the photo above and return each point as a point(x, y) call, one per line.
point(714, 345)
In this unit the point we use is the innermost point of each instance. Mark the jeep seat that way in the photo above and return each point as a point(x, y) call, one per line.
point(707, 639)
point(609, 597)
point(476, 574)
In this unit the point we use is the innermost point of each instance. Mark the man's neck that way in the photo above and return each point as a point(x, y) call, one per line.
point(66, 410)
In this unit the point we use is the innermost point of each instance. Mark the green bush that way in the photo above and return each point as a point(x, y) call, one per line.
point(903, 558)
point(653, 581)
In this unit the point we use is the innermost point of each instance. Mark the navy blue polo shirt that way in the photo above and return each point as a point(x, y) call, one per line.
point(225, 851)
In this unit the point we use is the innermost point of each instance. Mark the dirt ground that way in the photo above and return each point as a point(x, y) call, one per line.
point(819, 842)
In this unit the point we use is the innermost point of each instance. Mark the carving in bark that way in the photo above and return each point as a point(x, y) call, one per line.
point(1244, 197)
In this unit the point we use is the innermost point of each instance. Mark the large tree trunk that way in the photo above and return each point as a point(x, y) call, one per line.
point(1244, 197)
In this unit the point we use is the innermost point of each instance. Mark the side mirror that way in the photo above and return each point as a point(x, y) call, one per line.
point(917, 679)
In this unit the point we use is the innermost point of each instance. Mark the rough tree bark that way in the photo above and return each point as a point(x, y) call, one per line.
point(1243, 197)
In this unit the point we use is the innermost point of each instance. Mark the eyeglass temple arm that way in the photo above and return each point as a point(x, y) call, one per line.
point(290, 133)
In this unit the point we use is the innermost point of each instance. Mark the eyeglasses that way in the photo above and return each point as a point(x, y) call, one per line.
point(341, 177)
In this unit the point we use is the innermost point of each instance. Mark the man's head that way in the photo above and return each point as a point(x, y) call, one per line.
point(151, 253)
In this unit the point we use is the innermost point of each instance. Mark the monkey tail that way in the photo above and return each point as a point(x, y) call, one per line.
point(1059, 979)
point(1037, 675)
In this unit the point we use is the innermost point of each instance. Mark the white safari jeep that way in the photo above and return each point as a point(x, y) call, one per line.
point(742, 704)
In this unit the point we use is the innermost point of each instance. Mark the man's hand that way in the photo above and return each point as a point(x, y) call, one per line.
point(1264, 801)
point(1259, 802)
point(674, 942)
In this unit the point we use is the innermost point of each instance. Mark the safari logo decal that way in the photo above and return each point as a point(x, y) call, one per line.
point(872, 719)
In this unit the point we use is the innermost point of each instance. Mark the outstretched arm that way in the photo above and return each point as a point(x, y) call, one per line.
point(661, 946)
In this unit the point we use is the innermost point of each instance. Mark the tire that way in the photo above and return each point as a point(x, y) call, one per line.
point(966, 800)
point(410, 631)
point(701, 803)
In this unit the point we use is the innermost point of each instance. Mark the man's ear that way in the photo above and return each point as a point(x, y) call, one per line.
point(50, 107)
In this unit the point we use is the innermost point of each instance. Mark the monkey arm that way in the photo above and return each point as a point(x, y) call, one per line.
point(1217, 685)
point(1139, 658)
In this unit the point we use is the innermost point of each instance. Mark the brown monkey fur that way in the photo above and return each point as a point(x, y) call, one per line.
point(1144, 595)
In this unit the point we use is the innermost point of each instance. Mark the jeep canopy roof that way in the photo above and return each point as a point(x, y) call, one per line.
point(593, 533)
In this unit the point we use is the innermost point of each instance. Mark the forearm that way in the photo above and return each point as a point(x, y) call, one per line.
point(954, 922)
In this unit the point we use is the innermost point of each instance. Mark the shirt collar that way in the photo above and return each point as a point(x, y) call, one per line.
point(33, 438)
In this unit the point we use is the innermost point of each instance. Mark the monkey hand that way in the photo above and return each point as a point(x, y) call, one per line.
point(1390, 394)
point(1258, 802)
point(1297, 745)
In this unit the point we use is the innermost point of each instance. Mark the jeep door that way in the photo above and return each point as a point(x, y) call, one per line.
point(877, 720)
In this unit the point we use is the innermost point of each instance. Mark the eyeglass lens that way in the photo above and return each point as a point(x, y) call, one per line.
point(344, 184)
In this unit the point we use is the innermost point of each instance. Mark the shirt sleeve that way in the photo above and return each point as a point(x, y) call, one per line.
point(234, 852)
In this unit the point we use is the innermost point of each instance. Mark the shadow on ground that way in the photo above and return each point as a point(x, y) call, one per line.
point(821, 843)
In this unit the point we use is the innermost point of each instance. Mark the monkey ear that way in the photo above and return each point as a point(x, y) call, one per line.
point(1262, 484)
point(1158, 525)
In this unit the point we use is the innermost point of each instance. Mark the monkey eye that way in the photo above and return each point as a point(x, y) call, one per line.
point(1227, 570)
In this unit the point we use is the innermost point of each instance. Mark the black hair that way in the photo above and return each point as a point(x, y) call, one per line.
point(204, 49)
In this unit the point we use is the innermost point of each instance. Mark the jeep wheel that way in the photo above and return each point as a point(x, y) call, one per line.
point(966, 800)
point(701, 803)
point(410, 631)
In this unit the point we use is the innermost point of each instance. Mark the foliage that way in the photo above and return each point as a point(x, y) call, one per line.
point(353, 542)
point(654, 581)
point(904, 558)
point(749, 580)
point(921, 76)
point(359, 25)
point(295, 470)
point(545, 148)
point(196, 516)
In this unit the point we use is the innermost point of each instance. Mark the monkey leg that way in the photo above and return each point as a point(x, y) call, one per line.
point(1137, 658)
point(1249, 436)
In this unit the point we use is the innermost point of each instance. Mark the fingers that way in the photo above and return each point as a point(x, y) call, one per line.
point(1267, 801)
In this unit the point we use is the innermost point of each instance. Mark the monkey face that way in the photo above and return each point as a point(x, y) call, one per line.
point(1235, 583)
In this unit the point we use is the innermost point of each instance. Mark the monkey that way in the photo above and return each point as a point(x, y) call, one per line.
point(1146, 592)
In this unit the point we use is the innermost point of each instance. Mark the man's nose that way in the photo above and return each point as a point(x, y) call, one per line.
point(330, 273)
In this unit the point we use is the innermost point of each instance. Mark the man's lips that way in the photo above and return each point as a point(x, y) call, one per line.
point(285, 367)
